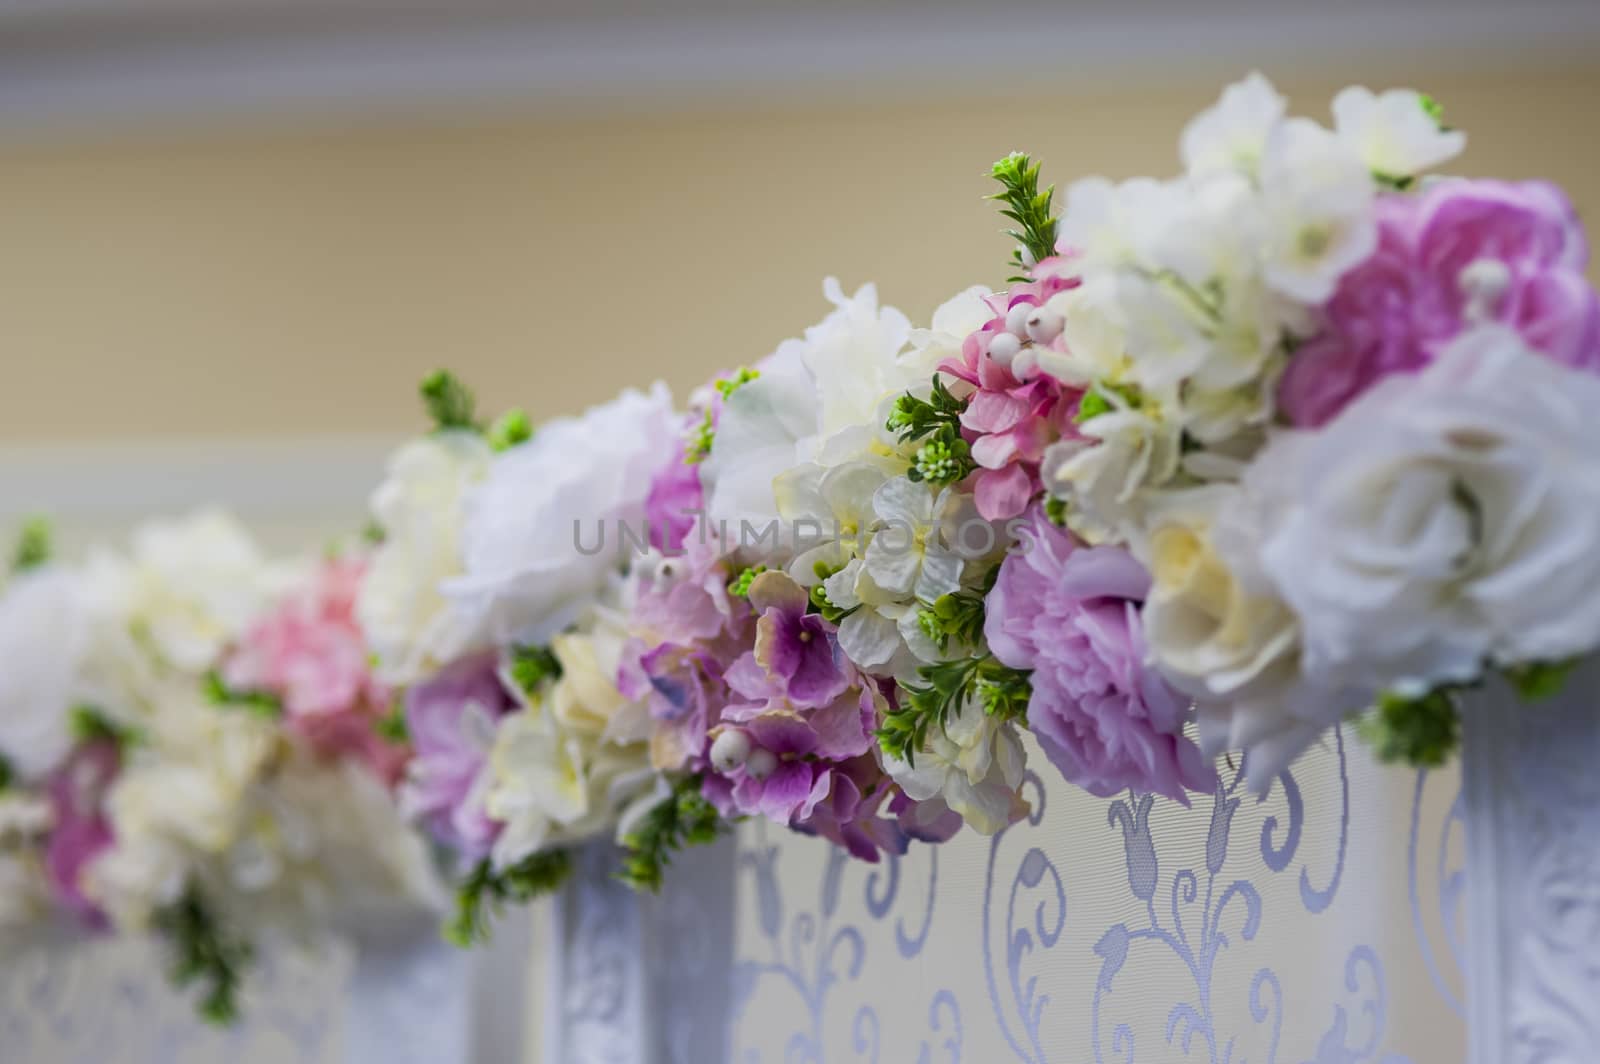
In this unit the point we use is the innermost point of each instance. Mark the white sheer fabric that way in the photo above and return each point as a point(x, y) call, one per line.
point(1320, 924)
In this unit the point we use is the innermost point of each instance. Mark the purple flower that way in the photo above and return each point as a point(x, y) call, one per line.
point(81, 831)
point(451, 719)
point(1461, 253)
point(1106, 720)
point(799, 650)
point(675, 495)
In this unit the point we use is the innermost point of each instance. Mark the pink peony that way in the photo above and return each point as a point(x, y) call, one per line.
point(1010, 418)
point(1459, 253)
point(309, 651)
point(1105, 719)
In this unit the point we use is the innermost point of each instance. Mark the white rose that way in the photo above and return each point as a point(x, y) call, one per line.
point(44, 632)
point(545, 528)
point(407, 622)
point(1216, 629)
point(1443, 519)
point(1393, 132)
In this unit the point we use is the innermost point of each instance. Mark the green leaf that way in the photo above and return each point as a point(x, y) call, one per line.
point(1001, 691)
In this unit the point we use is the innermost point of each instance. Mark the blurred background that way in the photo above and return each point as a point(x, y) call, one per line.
point(236, 234)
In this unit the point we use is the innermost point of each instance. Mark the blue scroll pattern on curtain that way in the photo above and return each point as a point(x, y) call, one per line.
point(1186, 907)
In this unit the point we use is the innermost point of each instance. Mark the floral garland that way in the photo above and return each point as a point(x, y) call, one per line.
point(1294, 437)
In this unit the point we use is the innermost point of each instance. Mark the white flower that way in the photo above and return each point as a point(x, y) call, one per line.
point(188, 778)
point(818, 399)
point(974, 764)
point(408, 624)
point(853, 357)
point(955, 319)
point(1316, 196)
point(1216, 629)
point(188, 588)
point(1124, 453)
point(576, 762)
point(1231, 135)
point(546, 527)
point(323, 841)
point(1393, 132)
point(880, 634)
point(917, 549)
point(758, 437)
point(44, 633)
point(1443, 519)
point(829, 512)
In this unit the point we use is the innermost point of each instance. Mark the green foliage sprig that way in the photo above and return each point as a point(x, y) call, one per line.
point(510, 429)
point(1029, 207)
point(1001, 691)
point(1423, 731)
point(484, 892)
point(739, 586)
point(449, 402)
point(944, 457)
point(204, 954)
point(684, 818)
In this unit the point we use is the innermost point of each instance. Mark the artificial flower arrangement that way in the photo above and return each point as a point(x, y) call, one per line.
point(1296, 437)
point(192, 744)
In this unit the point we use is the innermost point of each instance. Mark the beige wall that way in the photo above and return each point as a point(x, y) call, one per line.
point(280, 283)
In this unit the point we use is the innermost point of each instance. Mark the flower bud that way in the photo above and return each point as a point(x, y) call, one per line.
point(761, 763)
point(730, 750)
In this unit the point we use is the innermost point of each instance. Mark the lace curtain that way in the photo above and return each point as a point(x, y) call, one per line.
point(1320, 924)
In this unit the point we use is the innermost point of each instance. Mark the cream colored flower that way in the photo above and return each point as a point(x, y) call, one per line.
point(974, 763)
point(408, 623)
point(575, 763)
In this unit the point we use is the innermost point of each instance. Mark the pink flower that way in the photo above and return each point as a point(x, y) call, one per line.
point(451, 718)
point(1013, 413)
point(80, 832)
point(676, 494)
point(1460, 253)
point(309, 651)
point(1106, 720)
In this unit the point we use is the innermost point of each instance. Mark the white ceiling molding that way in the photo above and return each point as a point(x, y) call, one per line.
point(99, 63)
